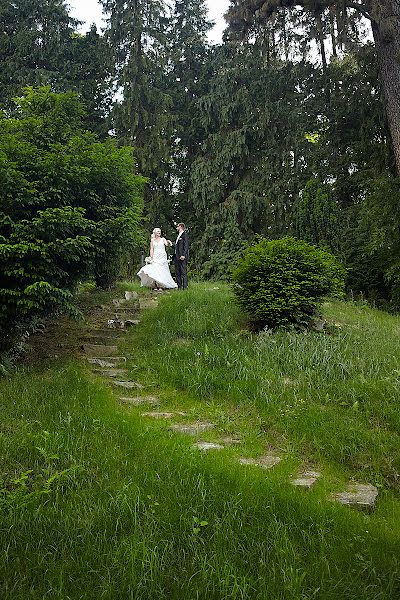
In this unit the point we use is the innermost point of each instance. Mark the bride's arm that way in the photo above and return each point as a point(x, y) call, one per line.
point(151, 249)
point(167, 242)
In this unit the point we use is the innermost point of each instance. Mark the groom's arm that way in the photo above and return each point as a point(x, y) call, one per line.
point(185, 241)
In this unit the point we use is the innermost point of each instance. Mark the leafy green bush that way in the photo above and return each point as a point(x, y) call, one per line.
point(279, 282)
point(69, 207)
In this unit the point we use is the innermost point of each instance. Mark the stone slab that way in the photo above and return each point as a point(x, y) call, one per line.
point(159, 415)
point(115, 325)
point(107, 361)
point(131, 295)
point(101, 333)
point(205, 446)
point(112, 372)
point(99, 350)
point(358, 495)
point(140, 400)
point(266, 462)
point(192, 428)
point(103, 341)
point(126, 313)
point(131, 322)
point(129, 385)
point(230, 441)
point(118, 302)
point(306, 479)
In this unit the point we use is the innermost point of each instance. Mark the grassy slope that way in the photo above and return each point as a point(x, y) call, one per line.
point(123, 524)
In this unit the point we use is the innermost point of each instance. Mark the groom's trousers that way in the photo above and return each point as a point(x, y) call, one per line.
point(181, 274)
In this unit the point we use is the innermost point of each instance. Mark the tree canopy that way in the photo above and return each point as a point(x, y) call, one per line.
point(69, 206)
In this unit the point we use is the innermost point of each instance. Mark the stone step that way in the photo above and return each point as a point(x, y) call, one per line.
point(306, 479)
point(192, 428)
point(101, 333)
point(163, 415)
point(358, 495)
point(266, 462)
point(140, 400)
point(129, 385)
point(112, 372)
point(115, 324)
point(131, 323)
point(118, 302)
point(230, 441)
point(104, 340)
point(206, 446)
point(99, 350)
point(131, 295)
point(123, 315)
point(107, 361)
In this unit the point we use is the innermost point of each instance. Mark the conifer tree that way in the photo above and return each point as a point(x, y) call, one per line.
point(190, 58)
point(89, 74)
point(34, 37)
point(136, 33)
point(385, 20)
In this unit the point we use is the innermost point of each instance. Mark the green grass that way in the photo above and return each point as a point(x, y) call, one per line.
point(121, 519)
point(331, 397)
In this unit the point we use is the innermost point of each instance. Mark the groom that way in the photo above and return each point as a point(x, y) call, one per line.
point(181, 256)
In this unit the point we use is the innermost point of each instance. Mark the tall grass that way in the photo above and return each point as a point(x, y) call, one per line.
point(334, 397)
point(118, 507)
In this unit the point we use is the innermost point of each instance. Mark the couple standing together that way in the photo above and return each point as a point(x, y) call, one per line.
point(156, 273)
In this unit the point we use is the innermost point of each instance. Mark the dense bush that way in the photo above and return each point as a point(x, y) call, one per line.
point(279, 282)
point(69, 206)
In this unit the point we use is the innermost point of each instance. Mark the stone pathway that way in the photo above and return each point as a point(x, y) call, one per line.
point(107, 361)
point(100, 348)
point(140, 400)
point(266, 462)
point(205, 446)
point(358, 495)
point(192, 428)
point(163, 415)
point(306, 479)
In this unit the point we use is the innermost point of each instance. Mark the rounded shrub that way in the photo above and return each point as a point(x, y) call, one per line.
point(282, 282)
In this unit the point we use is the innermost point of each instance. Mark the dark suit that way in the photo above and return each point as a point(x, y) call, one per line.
point(182, 249)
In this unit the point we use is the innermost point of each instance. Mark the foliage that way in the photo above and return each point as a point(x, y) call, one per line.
point(188, 80)
point(88, 72)
point(371, 242)
point(70, 206)
point(340, 16)
point(58, 56)
point(279, 282)
point(33, 42)
point(137, 37)
point(316, 216)
point(159, 54)
point(251, 162)
point(224, 256)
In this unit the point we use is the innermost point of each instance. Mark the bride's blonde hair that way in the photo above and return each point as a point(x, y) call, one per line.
point(153, 235)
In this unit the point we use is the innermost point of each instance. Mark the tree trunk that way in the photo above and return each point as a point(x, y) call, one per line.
point(321, 40)
point(385, 16)
point(332, 22)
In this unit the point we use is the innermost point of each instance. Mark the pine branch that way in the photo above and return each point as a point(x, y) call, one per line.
point(360, 8)
point(244, 11)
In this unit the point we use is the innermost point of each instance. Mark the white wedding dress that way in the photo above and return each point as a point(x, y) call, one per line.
point(157, 274)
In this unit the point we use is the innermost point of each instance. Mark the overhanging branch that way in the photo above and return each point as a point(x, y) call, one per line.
point(246, 11)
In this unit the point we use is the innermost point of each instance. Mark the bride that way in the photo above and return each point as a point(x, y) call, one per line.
point(156, 274)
